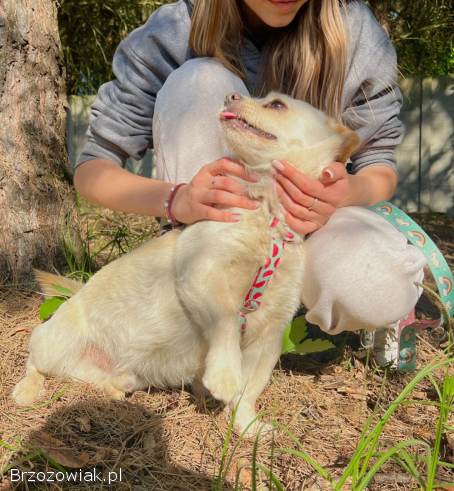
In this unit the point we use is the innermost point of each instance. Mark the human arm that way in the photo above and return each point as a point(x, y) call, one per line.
point(106, 183)
point(122, 114)
point(121, 126)
point(335, 189)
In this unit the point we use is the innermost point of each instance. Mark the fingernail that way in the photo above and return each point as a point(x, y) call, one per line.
point(278, 165)
point(328, 173)
point(255, 176)
point(236, 217)
point(273, 171)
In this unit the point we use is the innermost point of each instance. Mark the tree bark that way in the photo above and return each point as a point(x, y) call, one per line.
point(35, 193)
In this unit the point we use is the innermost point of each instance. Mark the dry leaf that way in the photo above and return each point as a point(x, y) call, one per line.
point(149, 442)
point(13, 332)
point(100, 456)
point(58, 451)
point(450, 442)
point(245, 474)
point(419, 394)
point(392, 478)
point(84, 423)
point(355, 392)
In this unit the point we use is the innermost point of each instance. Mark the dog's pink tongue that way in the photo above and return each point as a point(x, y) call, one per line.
point(227, 115)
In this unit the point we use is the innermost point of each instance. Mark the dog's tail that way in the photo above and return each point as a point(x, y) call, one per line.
point(56, 285)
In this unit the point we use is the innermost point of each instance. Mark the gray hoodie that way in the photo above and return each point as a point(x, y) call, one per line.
point(122, 114)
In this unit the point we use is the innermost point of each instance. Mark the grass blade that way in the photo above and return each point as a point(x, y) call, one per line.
point(7, 446)
point(384, 457)
point(370, 441)
point(254, 462)
point(308, 459)
point(446, 401)
point(406, 461)
point(219, 479)
point(272, 477)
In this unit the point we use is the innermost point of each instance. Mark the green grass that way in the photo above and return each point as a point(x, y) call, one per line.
point(368, 458)
point(418, 458)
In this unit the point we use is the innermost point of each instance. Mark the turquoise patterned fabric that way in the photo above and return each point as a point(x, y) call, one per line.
point(438, 266)
point(416, 235)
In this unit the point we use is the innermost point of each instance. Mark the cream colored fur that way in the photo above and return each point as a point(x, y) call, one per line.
point(167, 313)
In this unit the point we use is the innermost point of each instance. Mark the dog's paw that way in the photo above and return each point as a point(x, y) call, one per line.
point(248, 424)
point(224, 382)
point(126, 383)
point(113, 393)
point(257, 428)
point(26, 392)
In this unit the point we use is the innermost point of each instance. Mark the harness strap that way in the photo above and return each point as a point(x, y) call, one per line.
point(406, 334)
point(252, 300)
point(416, 235)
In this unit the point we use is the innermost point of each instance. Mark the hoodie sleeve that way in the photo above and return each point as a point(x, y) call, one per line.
point(372, 98)
point(122, 114)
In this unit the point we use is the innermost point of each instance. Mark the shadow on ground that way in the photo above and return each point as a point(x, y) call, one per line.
point(118, 439)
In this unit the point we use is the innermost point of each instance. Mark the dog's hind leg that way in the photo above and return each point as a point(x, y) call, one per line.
point(86, 371)
point(28, 389)
point(96, 367)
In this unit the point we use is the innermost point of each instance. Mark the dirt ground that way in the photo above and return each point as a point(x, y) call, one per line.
point(169, 440)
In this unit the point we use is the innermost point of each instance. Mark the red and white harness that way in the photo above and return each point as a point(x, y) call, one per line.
point(252, 300)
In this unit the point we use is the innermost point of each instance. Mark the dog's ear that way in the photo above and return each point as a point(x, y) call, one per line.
point(350, 142)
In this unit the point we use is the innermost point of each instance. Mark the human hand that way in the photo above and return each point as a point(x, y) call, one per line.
point(210, 190)
point(309, 203)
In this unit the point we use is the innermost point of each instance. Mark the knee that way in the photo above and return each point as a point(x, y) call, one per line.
point(202, 78)
point(208, 72)
point(359, 272)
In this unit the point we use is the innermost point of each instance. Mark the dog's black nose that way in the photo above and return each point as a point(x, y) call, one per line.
point(234, 96)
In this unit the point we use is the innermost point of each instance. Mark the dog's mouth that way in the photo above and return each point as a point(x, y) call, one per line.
point(241, 123)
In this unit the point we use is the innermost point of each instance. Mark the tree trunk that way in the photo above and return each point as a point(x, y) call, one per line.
point(35, 194)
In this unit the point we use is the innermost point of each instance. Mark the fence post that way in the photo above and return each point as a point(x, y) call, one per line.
point(408, 152)
point(78, 117)
point(438, 145)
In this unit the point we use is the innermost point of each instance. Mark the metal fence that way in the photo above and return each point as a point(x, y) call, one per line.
point(425, 158)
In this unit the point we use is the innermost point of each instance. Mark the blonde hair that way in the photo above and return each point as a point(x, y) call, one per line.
point(306, 60)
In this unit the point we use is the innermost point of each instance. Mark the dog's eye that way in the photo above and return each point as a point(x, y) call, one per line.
point(276, 104)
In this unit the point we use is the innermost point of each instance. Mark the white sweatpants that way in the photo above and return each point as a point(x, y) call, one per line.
point(359, 272)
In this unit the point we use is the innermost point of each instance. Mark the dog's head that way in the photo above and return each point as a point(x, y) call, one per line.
point(279, 127)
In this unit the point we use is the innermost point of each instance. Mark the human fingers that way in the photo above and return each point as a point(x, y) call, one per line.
point(301, 227)
point(302, 212)
point(287, 190)
point(188, 206)
point(225, 198)
point(232, 167)
point(205, 212)
point(333, 173)
point(306, 185)
point(227, 183)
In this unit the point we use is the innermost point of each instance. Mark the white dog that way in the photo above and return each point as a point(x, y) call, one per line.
point(168, 313)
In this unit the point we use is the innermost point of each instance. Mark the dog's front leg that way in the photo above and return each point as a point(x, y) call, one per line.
point(259, 359)
point(213, 309)
point(222, 375)
point(210, 281)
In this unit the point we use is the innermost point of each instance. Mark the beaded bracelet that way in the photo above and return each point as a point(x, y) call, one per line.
point(168, 205)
